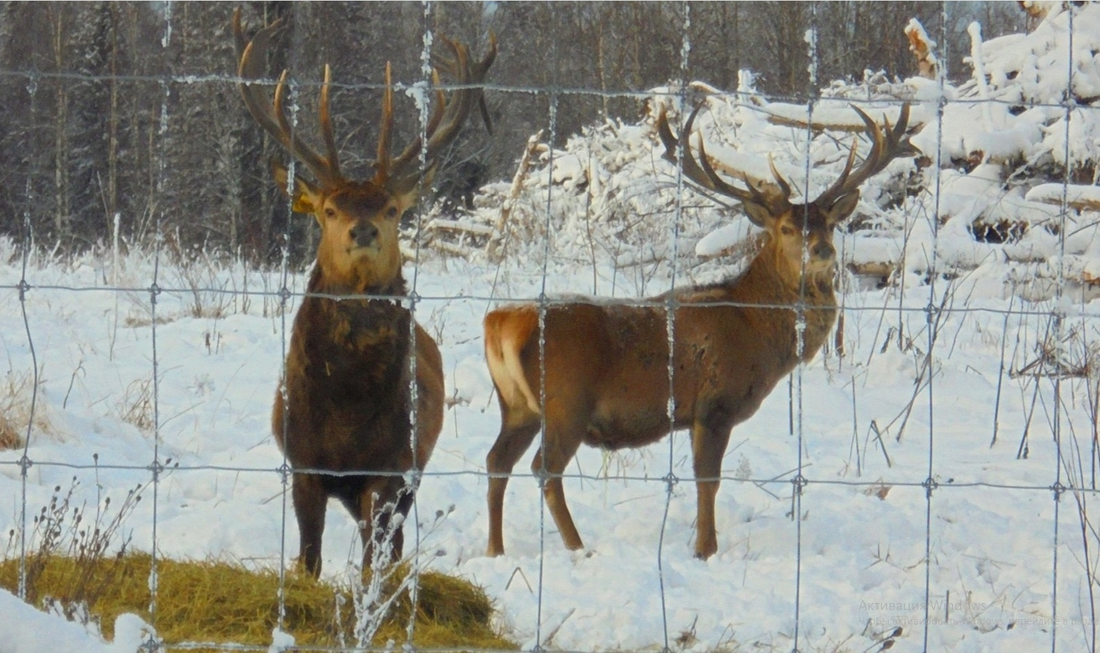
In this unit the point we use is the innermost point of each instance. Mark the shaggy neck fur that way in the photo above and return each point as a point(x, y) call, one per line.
point(770, 280)
point(322, 281)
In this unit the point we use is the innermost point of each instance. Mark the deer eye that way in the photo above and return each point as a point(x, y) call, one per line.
point(391, 212)
point(330, 212)
point(788, 230)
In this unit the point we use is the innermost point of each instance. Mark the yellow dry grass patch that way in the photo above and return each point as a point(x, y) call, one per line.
point(223, 602)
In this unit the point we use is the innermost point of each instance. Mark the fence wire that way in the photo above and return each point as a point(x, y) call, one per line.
point(799, 482)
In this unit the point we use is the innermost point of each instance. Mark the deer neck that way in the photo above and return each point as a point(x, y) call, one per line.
point(768, 280)
point(321, 283)
point(811, 298)
point(357, 341)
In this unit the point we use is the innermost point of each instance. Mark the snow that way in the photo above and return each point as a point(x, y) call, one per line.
point(855, 551)
point(23, 629)
point(917, 503)
point(1073, 193)
point(280, 641)
point(831, 116)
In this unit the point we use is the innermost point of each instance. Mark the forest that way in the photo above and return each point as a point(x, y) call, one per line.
point(127, 114)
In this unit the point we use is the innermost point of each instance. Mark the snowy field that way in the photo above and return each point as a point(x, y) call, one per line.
point(856, 560)
point(938, 451)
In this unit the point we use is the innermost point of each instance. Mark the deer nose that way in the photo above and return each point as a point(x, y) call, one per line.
point(364, 234)
point(824, 251)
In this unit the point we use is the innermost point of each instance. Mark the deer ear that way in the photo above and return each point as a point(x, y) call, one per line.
point(843, 207)
point(757, 213)
point(306, 197)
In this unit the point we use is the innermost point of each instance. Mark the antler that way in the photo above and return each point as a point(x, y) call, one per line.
point(398, 175)
point(702, 173)
point(444, 125)
point(888, 144)
point(271, 116)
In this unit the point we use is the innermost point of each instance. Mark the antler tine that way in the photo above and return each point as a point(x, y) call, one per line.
point(667, 138)
point(899, 130)
point(404, 160)
point(887, 144)
point(270, 115)
point(249, 68)
point(784, 187)
point(385, 131)
point(701, 172)
point(688, 164)
point(238, 33)
point(480, 68)
point(732, 191)
point(327, 133)
point(843, 178)
point(448, 118)
point(324, 169)
point(440, 102)
point(442, 62)
point(460, 104)
point(477, 71)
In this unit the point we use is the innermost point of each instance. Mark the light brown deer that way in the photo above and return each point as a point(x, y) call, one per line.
point(345, 401)
point(606, 365)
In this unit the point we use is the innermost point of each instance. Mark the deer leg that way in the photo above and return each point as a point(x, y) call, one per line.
point(309, 497)
point(513, 441)
point(556, 454)
point(708, 445)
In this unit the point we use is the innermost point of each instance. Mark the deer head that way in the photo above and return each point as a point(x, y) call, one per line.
point(794, 228)
point(358, 219)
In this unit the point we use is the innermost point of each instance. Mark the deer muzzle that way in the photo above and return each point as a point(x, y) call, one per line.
point(824, 251)
point(364, 234)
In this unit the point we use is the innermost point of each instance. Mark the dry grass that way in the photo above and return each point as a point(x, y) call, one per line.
point(138, 321)
point(136, 405)
point(78, 563)
point(15, 409)
point(10, 437)
point(223, 602)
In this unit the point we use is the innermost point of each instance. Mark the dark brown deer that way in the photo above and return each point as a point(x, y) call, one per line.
point(343, 410)
point(606, 365)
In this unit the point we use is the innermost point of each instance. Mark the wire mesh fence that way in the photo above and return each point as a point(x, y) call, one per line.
point(920, 479)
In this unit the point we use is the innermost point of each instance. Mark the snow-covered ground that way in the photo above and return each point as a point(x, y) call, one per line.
point(936, 450)
point(852, 566)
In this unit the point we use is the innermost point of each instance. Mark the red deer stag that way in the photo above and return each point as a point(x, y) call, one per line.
point(606, 366)
point(344, 404)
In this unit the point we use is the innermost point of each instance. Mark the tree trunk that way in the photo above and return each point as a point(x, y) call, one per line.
point(61, 140)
